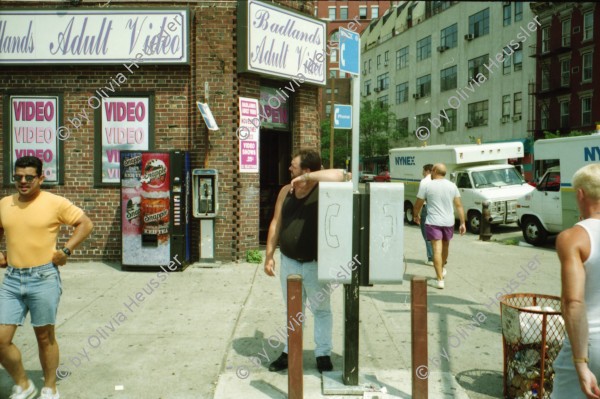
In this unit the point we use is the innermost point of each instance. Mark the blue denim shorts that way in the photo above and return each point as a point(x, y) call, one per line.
point(33, 289)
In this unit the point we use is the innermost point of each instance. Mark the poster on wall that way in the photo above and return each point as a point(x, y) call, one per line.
point(274, 109)
point(122, 123)
point(32, 125)
point(248, 134)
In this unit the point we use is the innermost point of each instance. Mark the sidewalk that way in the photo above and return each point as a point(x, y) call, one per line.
point(191, 335)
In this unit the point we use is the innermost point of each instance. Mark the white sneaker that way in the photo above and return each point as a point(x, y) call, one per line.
point(429, 262)
point(437, 284)
point(47, 394)
point(444, 272)
point(19, 393)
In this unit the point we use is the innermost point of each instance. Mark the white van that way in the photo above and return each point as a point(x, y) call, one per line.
point(480, 171)
point(552, 206)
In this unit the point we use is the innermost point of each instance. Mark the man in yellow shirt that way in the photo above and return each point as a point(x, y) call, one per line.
point(31, 220)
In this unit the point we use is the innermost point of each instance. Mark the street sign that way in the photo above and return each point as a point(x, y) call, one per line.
point(342, 116)
point(349, 51)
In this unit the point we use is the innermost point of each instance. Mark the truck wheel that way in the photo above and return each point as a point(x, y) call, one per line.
point(533, 231)
point(473, 222)
point(408, 213)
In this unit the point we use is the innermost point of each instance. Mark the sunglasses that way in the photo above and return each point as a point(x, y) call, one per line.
point(28, 178)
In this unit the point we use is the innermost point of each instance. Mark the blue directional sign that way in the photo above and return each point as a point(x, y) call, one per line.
point(342, 116)
point(349, 51)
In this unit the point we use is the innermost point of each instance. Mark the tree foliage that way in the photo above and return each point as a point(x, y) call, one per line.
point(572, 133)
point(342, 145)
point(376, 128)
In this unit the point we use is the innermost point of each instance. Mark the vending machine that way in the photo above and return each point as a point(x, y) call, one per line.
point(155, 193)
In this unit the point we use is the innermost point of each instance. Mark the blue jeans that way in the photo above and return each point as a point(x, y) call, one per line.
point(33, 289)
point(427, 242)
point(319, 305)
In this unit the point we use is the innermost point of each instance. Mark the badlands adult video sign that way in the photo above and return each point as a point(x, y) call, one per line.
point(94, 36)
point(276, 41)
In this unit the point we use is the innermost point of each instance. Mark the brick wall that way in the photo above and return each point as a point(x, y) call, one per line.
point(178, 125)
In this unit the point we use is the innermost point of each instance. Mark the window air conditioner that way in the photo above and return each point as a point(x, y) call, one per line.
point(469, 36)
point(505, 118)
point(441, 49)
point(416, 96)
point(517, 118)
point(469, 124)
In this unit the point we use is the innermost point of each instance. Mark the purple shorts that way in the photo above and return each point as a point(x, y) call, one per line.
point(439, 232)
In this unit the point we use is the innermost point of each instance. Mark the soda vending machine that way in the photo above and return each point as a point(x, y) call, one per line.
point(155, 192)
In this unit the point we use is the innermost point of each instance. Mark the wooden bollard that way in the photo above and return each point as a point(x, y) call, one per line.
point(418, 326)
point(295, 368)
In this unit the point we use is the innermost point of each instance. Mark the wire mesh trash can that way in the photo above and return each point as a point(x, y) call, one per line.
point(532, 334)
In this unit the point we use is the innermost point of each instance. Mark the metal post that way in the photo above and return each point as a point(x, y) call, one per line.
point(295, 367)
point(418, 318)
point(485, 228)
point(351, 306)
point(332, 124)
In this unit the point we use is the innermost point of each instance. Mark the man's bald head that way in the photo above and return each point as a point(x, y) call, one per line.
point(439, 169)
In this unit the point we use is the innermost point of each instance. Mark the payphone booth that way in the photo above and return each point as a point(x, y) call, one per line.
point(205, 207)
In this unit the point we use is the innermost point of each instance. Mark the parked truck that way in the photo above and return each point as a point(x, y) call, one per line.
point(480, 171)
point(552, 206)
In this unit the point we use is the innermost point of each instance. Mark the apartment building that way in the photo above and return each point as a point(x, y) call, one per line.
point(566, 52)
point(452, 72)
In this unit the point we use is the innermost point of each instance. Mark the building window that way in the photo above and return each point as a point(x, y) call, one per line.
point(507, 13)
point(449, 121)
point(518, 59)
point(335, 38)
point(369, 65)
point(448, 78)
point(383, 81)
point(424, 85)
point(362, 12)
point(343, 12)
point(506, 65)
point(565, 72)
point(402, 58)
point(544, 117)
point(386, 57)
point(333, 73)
point(423, 120)
point(566, 33)
point(402, 93)
point(333, 56)
point(368, 87)
point(374, 12)
point(545, 39)
point(424, 48)
point(478, 113)
point(382, 101)
point(378, 61)
point(588, 25)
point(365, 66)
point(518, 103)
point(564, 114)
point(545, 77)
point(332, 13)
point(328, 109)
point(506, 106)
point(586, 111)
point(449, 36)
point(518, 11)
point(402, 127)
point(476, 67)
point(479, 24)
point(587, 67)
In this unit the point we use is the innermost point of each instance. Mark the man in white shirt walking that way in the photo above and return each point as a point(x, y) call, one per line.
point(441, 195)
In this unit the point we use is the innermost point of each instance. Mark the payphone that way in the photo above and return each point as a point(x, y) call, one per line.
point(204, 186)
point(206, 205)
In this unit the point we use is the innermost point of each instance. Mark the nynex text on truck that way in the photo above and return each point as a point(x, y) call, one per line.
point(480, 171)
point(552, 206)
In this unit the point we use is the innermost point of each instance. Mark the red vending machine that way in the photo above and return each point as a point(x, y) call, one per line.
point(155, 192)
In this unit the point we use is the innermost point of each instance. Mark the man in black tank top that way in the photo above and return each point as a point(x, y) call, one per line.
point(294, 226)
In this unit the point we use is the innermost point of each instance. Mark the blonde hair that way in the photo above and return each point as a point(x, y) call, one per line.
point(588, 179)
